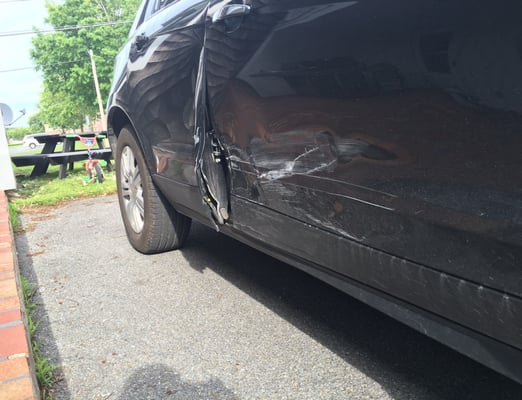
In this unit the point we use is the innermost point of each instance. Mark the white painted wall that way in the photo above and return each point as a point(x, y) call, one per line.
point(7, 179)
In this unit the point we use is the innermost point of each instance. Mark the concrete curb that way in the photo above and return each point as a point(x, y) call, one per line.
point(17, 374)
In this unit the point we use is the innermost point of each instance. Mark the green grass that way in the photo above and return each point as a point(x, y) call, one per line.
point(48, 190)
point(13, 217)
point(43, 367)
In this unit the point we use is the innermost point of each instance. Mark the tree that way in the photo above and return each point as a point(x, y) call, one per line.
point(63, 57)
point(61, 110)
point(18, 133)
point(36, 124)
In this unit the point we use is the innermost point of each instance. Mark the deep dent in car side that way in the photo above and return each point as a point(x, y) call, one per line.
point(384, 166)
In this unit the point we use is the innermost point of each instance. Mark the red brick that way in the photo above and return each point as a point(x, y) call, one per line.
point(8, 274)
point(6, 265)
point(9, 303)
point(13, 341)
point(8, 288)
point(12, 368)
point(6, 258)
point(21, 389)
point(5, 248)
point(10, 316)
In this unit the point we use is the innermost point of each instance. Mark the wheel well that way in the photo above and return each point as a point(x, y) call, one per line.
point(117, 120)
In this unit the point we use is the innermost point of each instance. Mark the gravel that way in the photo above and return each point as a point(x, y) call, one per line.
point(216, 320)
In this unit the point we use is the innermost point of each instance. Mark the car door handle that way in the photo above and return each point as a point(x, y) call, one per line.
point(229, 11)
point(141, 41)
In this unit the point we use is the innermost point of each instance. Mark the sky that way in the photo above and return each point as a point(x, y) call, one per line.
point(20, 89)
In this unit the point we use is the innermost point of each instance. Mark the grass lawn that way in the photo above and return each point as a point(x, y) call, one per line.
point(48, 190)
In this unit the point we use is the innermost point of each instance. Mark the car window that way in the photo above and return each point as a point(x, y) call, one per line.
point(149, 8)
point(164, 3)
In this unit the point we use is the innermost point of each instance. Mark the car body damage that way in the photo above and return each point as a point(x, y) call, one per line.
point(211, 163)
point(375, 147)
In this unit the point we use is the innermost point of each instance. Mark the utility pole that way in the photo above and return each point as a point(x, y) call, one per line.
point(98, 94)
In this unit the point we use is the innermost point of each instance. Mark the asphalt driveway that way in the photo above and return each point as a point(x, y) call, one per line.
point(217, 320)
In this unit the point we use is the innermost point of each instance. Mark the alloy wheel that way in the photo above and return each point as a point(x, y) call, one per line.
point(132, 190)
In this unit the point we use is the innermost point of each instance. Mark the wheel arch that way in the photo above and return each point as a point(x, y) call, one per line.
point(117, 119)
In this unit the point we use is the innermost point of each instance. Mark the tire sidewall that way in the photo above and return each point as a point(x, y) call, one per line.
point(127, 138)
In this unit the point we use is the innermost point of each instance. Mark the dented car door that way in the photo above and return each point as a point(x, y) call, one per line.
point(376, 141)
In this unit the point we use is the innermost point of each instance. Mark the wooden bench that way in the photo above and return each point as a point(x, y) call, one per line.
point(29, 159)
point(72, 156)
point(40, 161)
point(69, 157)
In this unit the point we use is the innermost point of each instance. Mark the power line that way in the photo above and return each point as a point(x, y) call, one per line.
point(16, 69)
point(62, 29)
point(46, 65)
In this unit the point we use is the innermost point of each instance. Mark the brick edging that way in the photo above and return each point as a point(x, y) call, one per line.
point(17, 377)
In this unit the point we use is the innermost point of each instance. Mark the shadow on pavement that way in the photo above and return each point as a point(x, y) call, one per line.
point(44, 334)
point(407, 364)
point(158, 381)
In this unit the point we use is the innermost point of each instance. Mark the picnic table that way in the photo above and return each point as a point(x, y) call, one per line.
point(66, 157)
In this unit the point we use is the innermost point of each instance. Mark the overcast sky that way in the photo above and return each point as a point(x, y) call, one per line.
point(19, 89)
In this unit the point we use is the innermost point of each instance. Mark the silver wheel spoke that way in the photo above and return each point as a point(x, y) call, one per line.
point(132, 190)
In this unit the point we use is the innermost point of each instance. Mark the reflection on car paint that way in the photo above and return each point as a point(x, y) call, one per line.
point(370, 145)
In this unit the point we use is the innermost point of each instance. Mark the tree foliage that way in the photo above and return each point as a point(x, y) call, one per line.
point(64, 110)
point(35, 126)
point(62, 56)
point(18, 133)
point(36, 123)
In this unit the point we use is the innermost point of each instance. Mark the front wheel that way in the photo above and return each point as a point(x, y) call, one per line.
point(151, 223)
point(99, 173)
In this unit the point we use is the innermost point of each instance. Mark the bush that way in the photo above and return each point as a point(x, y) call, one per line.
point(18, 133)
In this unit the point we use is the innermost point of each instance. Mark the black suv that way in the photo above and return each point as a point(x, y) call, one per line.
point(376, 146)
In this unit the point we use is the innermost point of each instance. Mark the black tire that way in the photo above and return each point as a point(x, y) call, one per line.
point(151, 223)
point(99, 173)
point(32, 146)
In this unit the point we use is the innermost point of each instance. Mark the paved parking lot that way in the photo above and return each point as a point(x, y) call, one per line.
point(217, 320)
